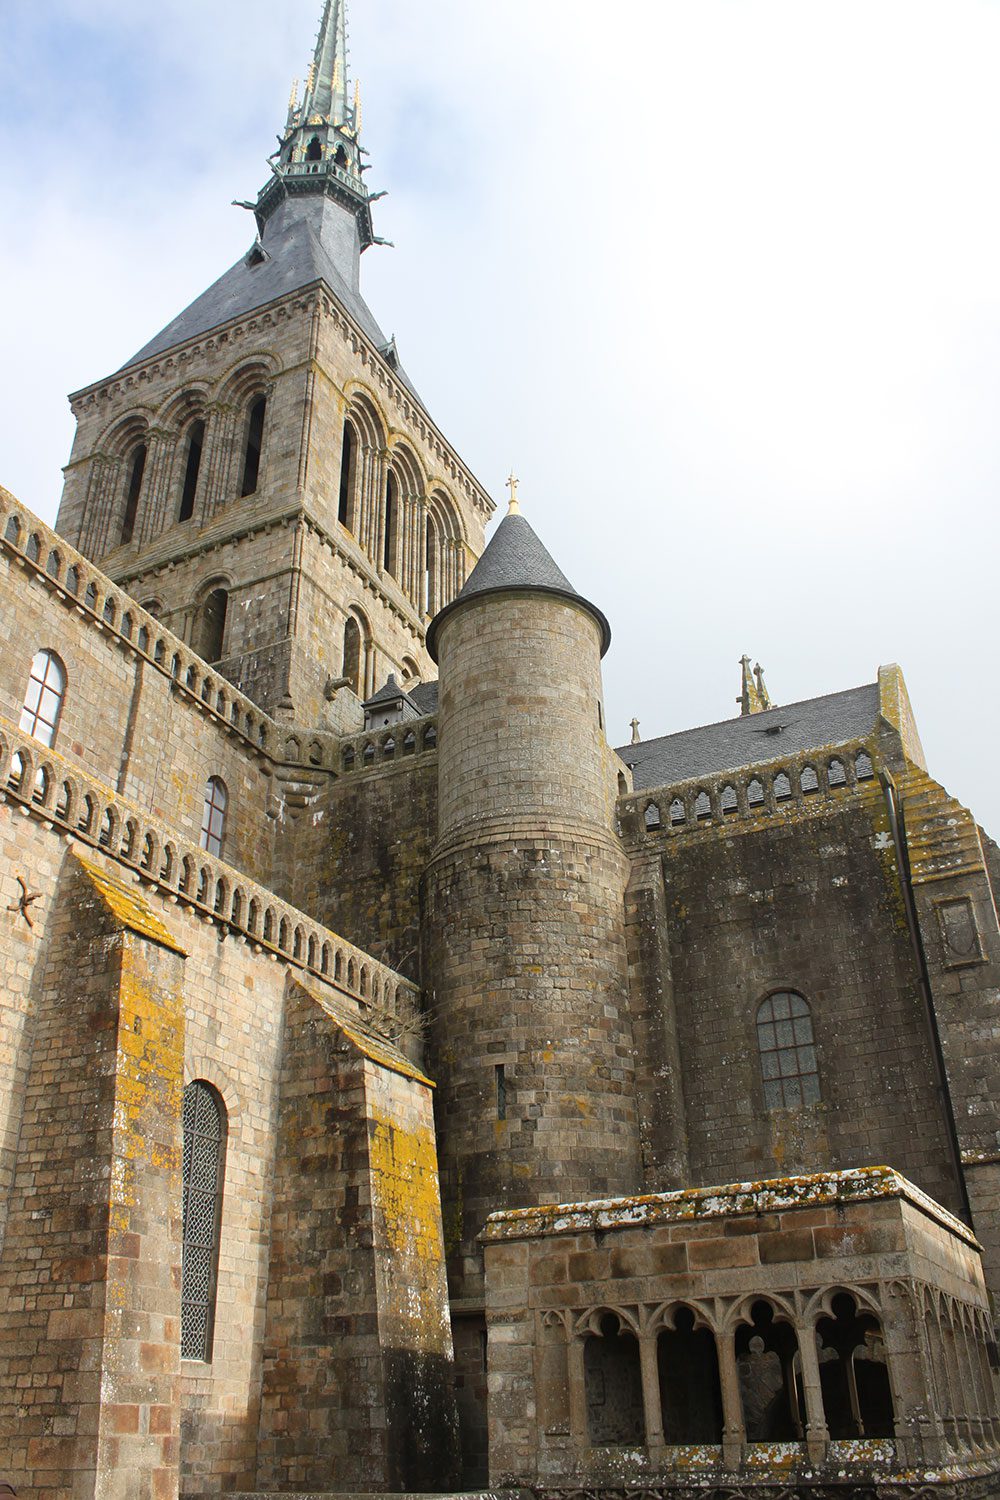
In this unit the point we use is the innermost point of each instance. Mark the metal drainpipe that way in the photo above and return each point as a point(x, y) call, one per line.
point(896, 824)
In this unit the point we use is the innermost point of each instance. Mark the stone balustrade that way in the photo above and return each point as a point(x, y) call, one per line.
point(39, 549)
point(765, 790)
point(45, 786)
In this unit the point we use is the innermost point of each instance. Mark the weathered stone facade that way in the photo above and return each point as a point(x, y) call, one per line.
point(299, 990)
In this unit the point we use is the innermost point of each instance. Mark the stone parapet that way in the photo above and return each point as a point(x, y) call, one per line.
point(50, 789)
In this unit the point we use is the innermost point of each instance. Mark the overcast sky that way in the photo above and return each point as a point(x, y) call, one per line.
point(718, 277)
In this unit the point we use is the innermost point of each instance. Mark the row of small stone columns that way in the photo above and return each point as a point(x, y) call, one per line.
point(411, 562)
point(162, 480)
point(919, 1427)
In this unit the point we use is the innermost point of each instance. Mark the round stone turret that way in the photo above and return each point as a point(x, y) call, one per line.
point(525, 957)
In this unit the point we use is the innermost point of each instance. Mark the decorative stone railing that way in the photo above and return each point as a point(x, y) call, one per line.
point(44, 785)
point(765, 790)
point(68, 573)
point(383, 747)
point(39, 550)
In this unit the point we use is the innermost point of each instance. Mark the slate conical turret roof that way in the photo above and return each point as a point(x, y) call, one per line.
point(516, 560)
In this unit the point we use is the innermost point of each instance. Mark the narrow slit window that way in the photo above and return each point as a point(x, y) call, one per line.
point(389, 547)
point(192, 468)
point(254, 444)
point(137, 469)
point(346, 474)
point(44, 699)
point(213, 822)
point(501, 1084)
point(202, 1175)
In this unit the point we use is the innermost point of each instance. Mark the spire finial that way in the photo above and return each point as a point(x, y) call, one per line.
point(326, 96)
point(513, 509)
point(635, 732)
point(754, 697)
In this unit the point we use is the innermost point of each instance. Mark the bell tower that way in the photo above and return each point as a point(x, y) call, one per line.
point(263, 474)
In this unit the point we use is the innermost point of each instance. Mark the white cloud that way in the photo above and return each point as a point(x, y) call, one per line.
point(718, 279)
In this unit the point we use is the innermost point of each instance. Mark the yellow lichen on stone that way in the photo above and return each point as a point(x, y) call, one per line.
point(129, 908)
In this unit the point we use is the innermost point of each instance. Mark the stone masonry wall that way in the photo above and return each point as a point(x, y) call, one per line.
point(89, 1289)
point(355, 856)
point(811, 904)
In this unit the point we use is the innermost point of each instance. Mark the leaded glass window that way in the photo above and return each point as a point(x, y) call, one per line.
point(787, 1051)
point(204, 1160)
point(44, 698)
point(213, 821)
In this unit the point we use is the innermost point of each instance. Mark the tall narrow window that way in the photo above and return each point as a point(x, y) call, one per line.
point(501, 1083)
point(430, 540)
point(203, 1173)
point(213, 821)
point(346, 474)
point(352, 654)
point(210, 628)
point(44, 699)
point(389, 548)
point(137, 467)
point(192, 468)
point(787, 1051)
point(255, 441)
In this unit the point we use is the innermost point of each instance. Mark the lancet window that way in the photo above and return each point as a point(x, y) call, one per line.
point(203, 1173)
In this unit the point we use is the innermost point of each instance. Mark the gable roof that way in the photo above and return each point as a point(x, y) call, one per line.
point(747, 741)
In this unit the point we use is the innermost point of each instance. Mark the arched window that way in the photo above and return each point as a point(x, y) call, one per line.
point(192, 468)
point(390, 546)
point(213, 821)
point(254, 444)
point(314, 151)
point(767, 1361)
point(352, 654)
point(203, 1174)
point(137, 467)
point(44, 699)
point(857, 1397)
point(347, 453)
point(210, 626)
point(613, 1384)
point(787, 1051)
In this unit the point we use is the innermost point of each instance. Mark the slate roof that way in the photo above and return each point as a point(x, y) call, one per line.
point(516, 559)
point(388, 693)
point(745, 741)
point(307, 239)
point(425, 696)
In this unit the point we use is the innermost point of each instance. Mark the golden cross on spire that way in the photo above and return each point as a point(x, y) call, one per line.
point(513, 509)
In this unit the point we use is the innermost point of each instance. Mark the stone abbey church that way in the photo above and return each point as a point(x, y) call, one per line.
point(402, 1089)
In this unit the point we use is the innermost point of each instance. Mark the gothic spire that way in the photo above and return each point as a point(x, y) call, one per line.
point(326, 98)
point(318, 151)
